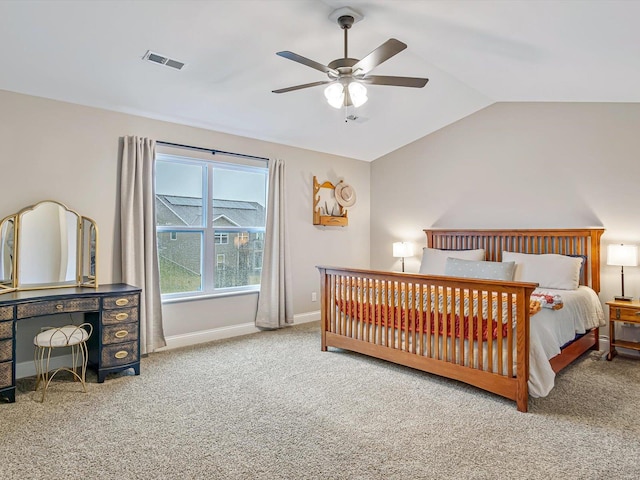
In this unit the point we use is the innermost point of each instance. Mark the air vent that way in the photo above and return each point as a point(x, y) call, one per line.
point(162, 60)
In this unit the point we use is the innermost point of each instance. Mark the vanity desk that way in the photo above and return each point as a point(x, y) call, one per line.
point(48, 266)
point(112, 310)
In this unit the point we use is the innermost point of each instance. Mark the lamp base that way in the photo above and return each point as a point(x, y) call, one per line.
point(623, 299)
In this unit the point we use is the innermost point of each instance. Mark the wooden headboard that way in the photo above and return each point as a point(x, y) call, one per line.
point(579, 241)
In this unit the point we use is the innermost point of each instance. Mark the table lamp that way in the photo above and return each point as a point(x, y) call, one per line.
point(402, 250)
point(624, 256)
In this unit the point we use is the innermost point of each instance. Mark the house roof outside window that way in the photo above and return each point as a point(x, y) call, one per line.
point(178, 210)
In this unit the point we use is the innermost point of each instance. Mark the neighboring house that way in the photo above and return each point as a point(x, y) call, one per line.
point(238, 251)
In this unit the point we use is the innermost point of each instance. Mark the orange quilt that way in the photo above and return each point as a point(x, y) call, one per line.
point(422, 320)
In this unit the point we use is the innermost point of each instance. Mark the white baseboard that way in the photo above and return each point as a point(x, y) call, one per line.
point(28, 369)
point(184, 340)
point(306, 317)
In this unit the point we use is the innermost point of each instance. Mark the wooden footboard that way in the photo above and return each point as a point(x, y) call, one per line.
point(474, 331)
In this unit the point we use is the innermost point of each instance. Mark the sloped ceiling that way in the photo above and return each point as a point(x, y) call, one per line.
point(475, 53)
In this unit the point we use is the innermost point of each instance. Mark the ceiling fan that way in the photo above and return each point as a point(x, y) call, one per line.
point(348, 76)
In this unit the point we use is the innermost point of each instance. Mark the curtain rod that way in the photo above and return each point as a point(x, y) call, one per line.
point(213, 151)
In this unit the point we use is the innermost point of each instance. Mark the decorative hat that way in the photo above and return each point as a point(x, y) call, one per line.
point(345, 194)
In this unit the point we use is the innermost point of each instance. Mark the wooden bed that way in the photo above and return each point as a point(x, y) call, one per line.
point(380, 313)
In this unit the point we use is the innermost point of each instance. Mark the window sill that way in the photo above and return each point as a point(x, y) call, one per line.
point(209, 296)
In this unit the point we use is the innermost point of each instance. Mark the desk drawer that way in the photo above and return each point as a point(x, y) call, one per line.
point(126, 332)
point(37, 309)
point(6, 374)
point(6, 330)
point(121, 315)
point(120, 302)
point(119, 354)
point(6, 313)
point(626, 314)
point(6, 350)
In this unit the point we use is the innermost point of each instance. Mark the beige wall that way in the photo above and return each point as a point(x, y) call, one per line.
point(66, 152)
point(509, 165)
point(515, 165)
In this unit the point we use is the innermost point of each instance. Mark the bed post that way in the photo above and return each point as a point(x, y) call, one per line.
point(323, 308)
point(596, 339)
point(522, 351)
point(595, 234)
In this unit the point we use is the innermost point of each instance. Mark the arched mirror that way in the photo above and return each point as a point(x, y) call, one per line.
point(47, 245)
point(7, 240)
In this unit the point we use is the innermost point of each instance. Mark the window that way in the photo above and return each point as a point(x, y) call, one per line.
point(221, 238)
point(210, 222)
point(257, 260)
point(243, 237)
point(220, 261)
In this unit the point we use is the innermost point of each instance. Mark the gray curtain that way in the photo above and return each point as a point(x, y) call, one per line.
point(138, 235)
point(275, 302)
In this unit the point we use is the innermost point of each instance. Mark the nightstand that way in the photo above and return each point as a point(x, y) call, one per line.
point(626, 312)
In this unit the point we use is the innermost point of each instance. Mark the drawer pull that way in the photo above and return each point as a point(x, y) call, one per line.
point(638, 314)
point(121, 333)
point(59, 306)
point(121, 354)
point(122, 316)
point(121, 302)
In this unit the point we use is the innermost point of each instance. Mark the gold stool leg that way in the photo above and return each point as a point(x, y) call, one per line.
point(42, 370)
point(46, 377)
point(85, 358)
point(80, 357)
point(36, 362)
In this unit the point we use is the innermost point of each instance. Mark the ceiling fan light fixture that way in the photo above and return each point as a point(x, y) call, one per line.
point(334, 94)
point(358, 94)
point(355, 93)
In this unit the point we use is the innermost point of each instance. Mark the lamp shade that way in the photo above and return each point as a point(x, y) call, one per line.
point(358, 93)
point(335, 94)
point(622, 255)
point(402, 249)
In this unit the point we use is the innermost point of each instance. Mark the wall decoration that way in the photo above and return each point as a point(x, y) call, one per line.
point(332, 214)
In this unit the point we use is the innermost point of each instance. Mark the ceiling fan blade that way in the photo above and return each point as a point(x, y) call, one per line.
point(395, 81)
point(299, 87)
point(381, 54)
point(309, 63)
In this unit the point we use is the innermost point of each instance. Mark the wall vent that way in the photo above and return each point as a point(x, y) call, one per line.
point(162, 60)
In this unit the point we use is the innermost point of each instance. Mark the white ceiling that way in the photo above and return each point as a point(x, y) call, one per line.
point(474, 53)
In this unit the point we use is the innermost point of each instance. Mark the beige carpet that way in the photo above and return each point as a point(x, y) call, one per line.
point(272, 406)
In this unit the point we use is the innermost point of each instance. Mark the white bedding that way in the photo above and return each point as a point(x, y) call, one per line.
point(551, 329)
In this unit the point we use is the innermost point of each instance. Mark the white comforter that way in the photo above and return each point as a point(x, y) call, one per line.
point(551, 329)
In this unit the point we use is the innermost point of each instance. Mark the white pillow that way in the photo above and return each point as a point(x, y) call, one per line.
point(548, 270)
point(485, 270)
point(434, 260)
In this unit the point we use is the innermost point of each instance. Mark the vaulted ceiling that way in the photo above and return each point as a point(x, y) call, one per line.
point(474, 53)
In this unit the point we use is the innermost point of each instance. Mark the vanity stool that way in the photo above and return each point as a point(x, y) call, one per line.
point(71, 336)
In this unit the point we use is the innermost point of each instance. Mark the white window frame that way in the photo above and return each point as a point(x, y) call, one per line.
point(224, 238)
point(208, 232)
